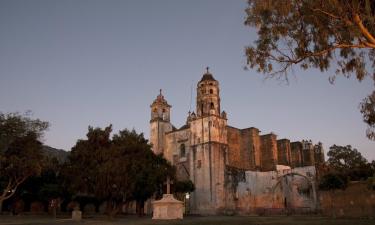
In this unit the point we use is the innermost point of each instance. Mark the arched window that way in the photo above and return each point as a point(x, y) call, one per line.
point(211, 91)
point(182, 150)
point(212, 105)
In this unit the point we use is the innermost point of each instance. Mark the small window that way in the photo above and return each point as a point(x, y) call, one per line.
point(211, 84)
point(182, 150)
point(211, 91)
point(199, 164)
point(212, 105)
point(163, 110)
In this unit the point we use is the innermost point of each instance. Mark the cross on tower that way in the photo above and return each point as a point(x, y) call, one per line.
point(207, 68)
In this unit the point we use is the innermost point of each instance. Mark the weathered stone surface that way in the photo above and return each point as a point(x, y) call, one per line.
point(296, 154)
point(167, 208)
point(269, 152)
point(283, 152)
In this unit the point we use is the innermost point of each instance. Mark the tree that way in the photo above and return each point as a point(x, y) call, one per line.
point(315, 34)
point(116, 170)
point(47, 186)
point(20, 151)
point(349, 162)
point(331, 182)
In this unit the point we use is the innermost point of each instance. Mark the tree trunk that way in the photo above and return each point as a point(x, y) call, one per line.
point(140, 206)
point(112, 208)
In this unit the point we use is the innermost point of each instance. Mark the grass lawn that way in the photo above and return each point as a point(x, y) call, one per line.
point(209, 220)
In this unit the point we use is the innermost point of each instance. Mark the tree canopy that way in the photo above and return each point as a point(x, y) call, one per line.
point(116, 170)
point(349, 162)
point(315, 34)
point(20, 151)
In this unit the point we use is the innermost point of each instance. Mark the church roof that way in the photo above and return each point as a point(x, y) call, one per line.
point(207, 76)
point(184, 127)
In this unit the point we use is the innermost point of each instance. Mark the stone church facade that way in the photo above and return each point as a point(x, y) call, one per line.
point(233, 169)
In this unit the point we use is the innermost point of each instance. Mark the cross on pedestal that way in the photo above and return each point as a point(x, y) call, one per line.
point(169, 185)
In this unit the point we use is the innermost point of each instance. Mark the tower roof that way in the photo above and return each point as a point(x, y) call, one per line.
point(207, 76)
point(160, 99)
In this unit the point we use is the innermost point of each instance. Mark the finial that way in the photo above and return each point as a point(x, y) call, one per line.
point(160, 92)
point(207, 68)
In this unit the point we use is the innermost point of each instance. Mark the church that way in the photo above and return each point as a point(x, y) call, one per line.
point(233, 169)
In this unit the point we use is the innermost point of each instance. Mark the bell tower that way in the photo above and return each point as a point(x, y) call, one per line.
point(208, 96)
point(209, 147)
point(159, 123)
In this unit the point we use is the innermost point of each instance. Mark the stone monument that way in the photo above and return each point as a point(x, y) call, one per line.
point(167, 208)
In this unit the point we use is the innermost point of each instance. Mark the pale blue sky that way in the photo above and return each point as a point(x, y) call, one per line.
point(77, 63)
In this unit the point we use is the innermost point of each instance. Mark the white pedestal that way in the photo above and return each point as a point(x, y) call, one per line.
point(167, 208)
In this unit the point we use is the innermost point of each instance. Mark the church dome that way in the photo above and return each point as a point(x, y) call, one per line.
point(207, 76)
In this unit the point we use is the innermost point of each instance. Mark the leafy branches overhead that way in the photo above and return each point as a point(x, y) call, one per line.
point(315, 34)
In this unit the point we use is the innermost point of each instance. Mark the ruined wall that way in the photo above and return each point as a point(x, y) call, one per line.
point(296, 154)
point(355, 201)
point(273, 190)
point(283, 152)
point(269, 152)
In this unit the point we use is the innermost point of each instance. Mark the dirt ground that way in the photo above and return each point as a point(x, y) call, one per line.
point(190, 220)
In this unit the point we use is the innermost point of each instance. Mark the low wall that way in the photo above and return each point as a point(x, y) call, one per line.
point(274, 192)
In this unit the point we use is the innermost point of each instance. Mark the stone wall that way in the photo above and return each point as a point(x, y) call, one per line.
point(158, 128)
point(296, 154)
point(308, 157)
point(173, 142)
point(283, 152)
point(269, 152)
point(235, 147)
point(251, 148)
point(207, 173)
point(355, 201)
